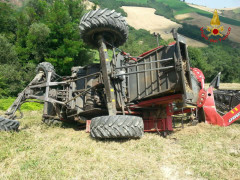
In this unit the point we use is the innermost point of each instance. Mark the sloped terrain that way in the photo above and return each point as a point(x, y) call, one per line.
point(233, 13)
point(144, 18)
point(202, 21)
point(67, 152)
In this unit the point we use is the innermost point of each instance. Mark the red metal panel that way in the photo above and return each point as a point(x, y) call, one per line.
point(162, 100)
point(199, 75)
point(169, 110)
point(144, 54)
point(211, 115)
point(184, 111)
point(202, 96)
point(152, 124)
point(88, 126)
point(232, 116)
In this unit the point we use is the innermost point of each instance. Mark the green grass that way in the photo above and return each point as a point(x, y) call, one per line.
point(6, 103)
point(236, 10)
point(38, 151)
point(189, 18)
point(96, 55)
point(179, 7)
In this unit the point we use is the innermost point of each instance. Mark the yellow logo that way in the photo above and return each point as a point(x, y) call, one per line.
point(215, 30)
point(216, 27)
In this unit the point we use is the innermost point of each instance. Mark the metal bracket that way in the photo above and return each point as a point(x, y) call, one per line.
point(106, 71)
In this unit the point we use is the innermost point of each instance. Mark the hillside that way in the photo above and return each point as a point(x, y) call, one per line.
point(232, 13)
point(161, 15)
point(49, 31)
point(66, 151)
point(154, 23)
point(202, 21)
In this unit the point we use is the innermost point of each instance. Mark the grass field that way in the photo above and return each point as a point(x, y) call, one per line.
point(6, 103)
point(230, 86)
point(38, 151)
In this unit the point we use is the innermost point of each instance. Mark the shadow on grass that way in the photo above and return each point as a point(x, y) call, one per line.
point(73, 125)
point(237, 122)
point(112, 140)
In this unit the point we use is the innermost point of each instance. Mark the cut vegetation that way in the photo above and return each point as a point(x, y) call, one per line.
point(66, 152)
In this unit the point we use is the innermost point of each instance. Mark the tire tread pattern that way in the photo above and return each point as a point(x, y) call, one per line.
point(118, 127)
point(46, 66)
point(103, 21)
point(8, 124)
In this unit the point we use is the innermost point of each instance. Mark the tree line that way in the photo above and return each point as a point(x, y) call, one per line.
point(39, 31)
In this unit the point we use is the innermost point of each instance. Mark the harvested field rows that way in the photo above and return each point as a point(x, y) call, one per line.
point(154, 23)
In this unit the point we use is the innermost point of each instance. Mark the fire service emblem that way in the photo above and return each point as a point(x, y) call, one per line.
point(216, 30)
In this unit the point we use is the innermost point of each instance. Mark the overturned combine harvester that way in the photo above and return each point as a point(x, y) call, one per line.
point(124, 96)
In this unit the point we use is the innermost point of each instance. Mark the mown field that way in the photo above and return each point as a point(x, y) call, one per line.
point(38, 151)
point(65, 151)
point(227, 86)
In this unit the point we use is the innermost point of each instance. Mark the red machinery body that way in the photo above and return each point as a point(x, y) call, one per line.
point(205, 101)
point(163, 121)
point(210, 112)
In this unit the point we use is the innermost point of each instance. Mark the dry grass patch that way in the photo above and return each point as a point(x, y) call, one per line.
point(211, 151)
point(231, 86)
point(154, 23)
point(38, 151)
point(204, 8)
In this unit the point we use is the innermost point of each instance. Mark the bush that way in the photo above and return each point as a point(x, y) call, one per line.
point(15, 77)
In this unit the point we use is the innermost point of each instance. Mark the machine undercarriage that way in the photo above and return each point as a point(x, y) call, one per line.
point(123, 96)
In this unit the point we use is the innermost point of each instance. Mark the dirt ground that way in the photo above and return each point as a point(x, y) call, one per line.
point(154, 23)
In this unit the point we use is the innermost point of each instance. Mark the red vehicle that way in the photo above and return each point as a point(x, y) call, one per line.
point(124, 96)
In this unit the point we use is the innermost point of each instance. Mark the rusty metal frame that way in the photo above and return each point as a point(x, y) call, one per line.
point(106, 72)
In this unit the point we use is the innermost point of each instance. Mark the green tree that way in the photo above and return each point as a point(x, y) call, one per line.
point(7, 20)
point(48, 31)
point(15, 77)
point(7, 51)
point(37, 41)
point(66, 48)
point(3, 85)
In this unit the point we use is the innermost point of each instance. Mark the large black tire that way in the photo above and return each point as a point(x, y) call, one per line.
point(8, 124)
point(110, 24)
point(116, 127)
point(46, 67)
